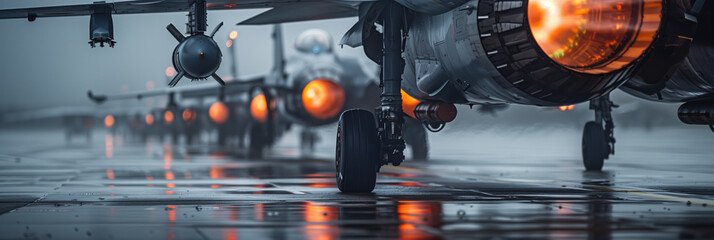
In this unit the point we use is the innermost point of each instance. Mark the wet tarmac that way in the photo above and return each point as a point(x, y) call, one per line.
point(479, 184)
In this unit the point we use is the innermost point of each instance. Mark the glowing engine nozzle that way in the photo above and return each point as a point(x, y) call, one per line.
point(109, 121)
point(259, 108)
point(218, 112)
point(168, 117)
point(189, 116)
point(323, 98)
point(594, 36)
point(149, 119)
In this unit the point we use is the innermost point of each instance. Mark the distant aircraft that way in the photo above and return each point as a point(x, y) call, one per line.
point(75, 120)
point(309, 89)
point(537, 52)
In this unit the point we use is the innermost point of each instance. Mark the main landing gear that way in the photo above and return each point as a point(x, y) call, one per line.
point(363, 144)
point(599, 140)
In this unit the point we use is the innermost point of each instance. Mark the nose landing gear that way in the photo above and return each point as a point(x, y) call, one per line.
point(363, 144)
point(598, 140)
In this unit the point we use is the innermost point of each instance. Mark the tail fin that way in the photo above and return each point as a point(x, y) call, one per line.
point(278, 51)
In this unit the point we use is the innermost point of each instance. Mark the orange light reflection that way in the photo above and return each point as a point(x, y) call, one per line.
point(414, 213)
point(318, 218)
point(109, 145)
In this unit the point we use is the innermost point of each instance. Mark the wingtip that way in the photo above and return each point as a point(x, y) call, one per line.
point(96, 99)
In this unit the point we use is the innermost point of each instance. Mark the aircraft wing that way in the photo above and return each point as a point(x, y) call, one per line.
point(231, 87)
point(320, 9)
point(304, 12)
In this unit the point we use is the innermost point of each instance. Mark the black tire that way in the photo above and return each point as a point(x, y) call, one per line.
point(222, 137)
point(594, 146)
point(174, 138)
point(189, 138)
point(357, 152)
point(257, 142)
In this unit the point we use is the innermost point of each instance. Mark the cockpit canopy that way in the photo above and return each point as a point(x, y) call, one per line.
point(314, 41)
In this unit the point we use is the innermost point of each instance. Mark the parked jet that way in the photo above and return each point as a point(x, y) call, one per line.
point(537, 52)
point(309, 89)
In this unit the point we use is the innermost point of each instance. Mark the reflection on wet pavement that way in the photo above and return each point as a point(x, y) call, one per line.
point(119, 188)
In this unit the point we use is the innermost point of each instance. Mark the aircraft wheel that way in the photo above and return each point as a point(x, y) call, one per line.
point(189, 138)
point(595, 147)
point(222, 137)
point(174, 138)
point(257, 143)
point(357, 152)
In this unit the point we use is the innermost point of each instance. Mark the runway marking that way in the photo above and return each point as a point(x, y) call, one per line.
point(691, 201)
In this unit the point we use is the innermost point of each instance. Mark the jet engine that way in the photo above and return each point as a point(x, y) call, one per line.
point(540, 52)
point(430, 6)
point(323, 98)
point(692, 75)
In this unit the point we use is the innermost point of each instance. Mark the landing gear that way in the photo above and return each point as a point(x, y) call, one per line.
point(308, 139)
point(598, 140)
point(222, 136)
point(258, 142)
point(357, 152)
point(362, 145)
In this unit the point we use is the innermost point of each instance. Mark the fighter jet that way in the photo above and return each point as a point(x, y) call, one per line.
point(309, 89)
point(537, 52)
point(76, 121)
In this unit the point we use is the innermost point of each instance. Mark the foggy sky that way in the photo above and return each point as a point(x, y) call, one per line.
point(48, 63)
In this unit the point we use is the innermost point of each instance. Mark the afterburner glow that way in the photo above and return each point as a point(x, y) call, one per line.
point(218, 112)
point(323, 98)
point(594, 36)
point(259, 108)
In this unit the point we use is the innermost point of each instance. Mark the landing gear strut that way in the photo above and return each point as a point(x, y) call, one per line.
point(599, 140)
point(362, 146)
point(308, 139)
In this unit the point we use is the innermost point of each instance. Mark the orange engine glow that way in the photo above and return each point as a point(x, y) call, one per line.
point(409, 103)
point(168, 117)
point(566, 108)
point(323, 98)
point(259, 108)
point(218, 112)
point(594, 36)
point(170, 71)
point(188, 115)
point(233, 35)
point(109, 121)
point(149, 119)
